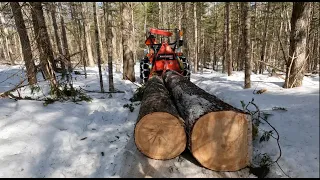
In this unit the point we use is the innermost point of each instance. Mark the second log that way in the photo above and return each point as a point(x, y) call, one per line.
point(219, 135)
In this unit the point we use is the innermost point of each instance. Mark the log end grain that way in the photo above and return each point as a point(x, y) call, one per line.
point(160, 135)
point(221, 141)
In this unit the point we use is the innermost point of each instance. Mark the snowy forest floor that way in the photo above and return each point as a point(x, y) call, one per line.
point(95, 139)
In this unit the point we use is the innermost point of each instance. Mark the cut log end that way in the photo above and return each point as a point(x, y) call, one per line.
point(221, 141)
point(160, 135)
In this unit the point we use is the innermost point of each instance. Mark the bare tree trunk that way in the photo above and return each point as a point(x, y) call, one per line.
point(225, 42)
point(128, 63)
point(109, 36)
point(215, 60)
point(145, 17)
point(7, 48)
point(239, 21)
point(45, 46)
point(134, 49)
point(55, 27)
point(65, 51)
point(104, 58)
point(44, 36)
point(309, 45)
point(115, 54)
point(246, 43)
point(25, 43)
point(264, 40)
point(97, 44)
point(42, 56)
point(255, 69)
point(298, 36)
point(229, 42)
point(195, 64)
point(18, 47)
point(81, 40)
point(87, 35)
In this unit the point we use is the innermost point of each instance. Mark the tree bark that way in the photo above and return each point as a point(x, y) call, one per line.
point(25, 42)
point(219, 134)
point(65, 51)
point(44, 45)
point(128, 62)
point(240, 26)
point(246, 43)
point(55, 28)
point(109, 36)
point(96, 30)
point(43, 34)
point(229, 41)
point(264, 40)
point(297, 53)
point(195, 63)
point(7, 48)
point(225, 42)
point(159, 132)
point(87, 35)
point(255, 69)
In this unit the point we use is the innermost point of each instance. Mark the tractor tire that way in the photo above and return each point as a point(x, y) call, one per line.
point(144, 70)
point(186, 67)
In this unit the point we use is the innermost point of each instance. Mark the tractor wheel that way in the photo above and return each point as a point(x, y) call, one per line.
point(186, 67)
point(144, 70)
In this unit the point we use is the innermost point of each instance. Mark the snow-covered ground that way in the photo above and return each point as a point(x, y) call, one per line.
point(95, 139)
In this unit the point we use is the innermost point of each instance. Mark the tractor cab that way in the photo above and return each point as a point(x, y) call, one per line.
point(163, 54)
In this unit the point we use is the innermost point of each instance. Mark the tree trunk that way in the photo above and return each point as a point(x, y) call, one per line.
point(128, 62)
point(25, 43)
point(195, 64)
point(159, 132)
point(240, 26)
point(229, 42)
point(264, 40)
point(297, 53)
point(65, 51)
point(246, 43)
point(215, 58)
point(255, 70)
point(81, 42)
point(87, 35)
point(134, 49)
point(96, 30)
point(44, 36)
point(7, 48)
point(219, 135)
point(109, 36)
point(115, 55)
point(44, 45)
point(224, 45)
point(42, 56)
point(104, 58)
point(55, 28)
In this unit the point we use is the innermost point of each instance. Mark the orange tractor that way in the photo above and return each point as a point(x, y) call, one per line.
point(163, 55)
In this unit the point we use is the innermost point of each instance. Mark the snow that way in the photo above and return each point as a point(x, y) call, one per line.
point(95, 139)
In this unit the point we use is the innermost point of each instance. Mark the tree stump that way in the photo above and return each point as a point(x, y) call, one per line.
point(159, 132)
point(219, 135)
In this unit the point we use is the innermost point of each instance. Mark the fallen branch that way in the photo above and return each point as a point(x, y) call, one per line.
point(8, 93)
point(105, 92)
point(274, 129)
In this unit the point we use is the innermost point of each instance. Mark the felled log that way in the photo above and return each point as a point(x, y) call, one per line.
point(159, 132)
point(219, 135)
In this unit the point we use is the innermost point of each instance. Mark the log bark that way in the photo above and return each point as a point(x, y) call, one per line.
point(219, 135)
point(159, 132)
